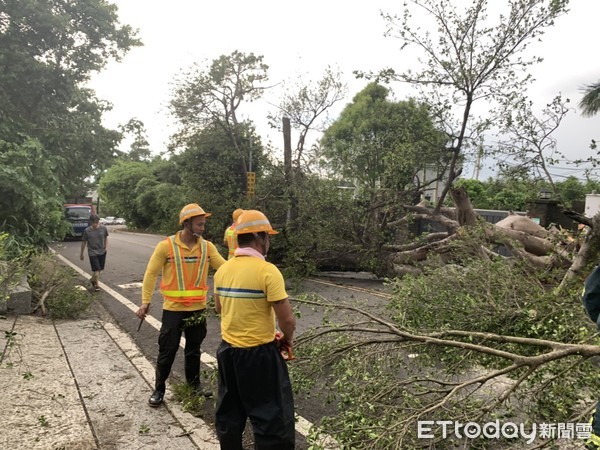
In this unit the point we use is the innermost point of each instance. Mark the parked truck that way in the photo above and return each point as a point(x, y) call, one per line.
point(79, 216)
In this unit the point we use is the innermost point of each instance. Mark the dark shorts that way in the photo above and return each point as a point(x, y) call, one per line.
point(97, 262)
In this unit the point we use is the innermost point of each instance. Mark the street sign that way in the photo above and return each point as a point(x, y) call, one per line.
point(250, 183)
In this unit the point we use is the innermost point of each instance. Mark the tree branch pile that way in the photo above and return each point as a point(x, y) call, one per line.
point(404, 376)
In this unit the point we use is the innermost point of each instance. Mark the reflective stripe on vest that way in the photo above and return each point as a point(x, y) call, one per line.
point(594, 438)
point(177, 290)
point(231, 240)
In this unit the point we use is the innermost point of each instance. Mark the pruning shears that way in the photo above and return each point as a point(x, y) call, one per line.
point(284, 349)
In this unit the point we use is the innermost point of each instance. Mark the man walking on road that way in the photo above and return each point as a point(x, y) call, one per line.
point(96, 238)
point(183, 260)
point(253, 377)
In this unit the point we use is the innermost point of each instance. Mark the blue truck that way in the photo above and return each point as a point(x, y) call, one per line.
point(79, 216)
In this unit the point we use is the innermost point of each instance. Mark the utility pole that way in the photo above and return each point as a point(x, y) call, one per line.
point(250, 176)
point(287, 166)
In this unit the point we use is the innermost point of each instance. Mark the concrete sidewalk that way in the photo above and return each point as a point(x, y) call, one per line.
point(84, 385)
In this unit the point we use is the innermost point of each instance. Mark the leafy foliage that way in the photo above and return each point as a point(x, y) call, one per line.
point(119, 185)
point(386, 370)
point(510, 191)
point(48, 49)
point(150, 194)
point(380, 143)
point(318, 242)
point(30, 207)
point(502, 193)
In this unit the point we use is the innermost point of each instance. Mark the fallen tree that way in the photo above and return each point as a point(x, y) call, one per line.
point(478, 341)
point(525, 239)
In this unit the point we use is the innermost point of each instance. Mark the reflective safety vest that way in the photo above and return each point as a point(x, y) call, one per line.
point(594, 440)
point(182, 288)
point(231, 241)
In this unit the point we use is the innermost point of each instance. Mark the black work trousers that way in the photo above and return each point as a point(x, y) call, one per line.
point(168, 343)
point(254, 384)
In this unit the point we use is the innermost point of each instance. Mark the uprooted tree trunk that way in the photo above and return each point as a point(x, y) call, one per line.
point(588, 251)
point(524, 238)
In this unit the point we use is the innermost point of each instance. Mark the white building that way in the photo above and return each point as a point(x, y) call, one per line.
point(592, 205)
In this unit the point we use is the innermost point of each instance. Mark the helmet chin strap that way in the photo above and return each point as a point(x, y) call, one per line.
point(264, 247)
point(189, 227)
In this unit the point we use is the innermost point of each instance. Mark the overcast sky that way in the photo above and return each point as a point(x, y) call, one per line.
point(301, 40)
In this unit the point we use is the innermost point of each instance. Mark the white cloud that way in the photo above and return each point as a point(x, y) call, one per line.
point(304, 38)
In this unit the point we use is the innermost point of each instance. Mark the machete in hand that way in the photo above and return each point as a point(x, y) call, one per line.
point(143, 318)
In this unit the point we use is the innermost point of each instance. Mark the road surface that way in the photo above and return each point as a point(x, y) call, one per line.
point(128, 254)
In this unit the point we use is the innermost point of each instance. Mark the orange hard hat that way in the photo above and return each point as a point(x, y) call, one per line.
point(237, 213)
point(191, 210)
point(253, 221)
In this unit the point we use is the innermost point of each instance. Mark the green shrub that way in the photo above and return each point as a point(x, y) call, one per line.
point(65, 297)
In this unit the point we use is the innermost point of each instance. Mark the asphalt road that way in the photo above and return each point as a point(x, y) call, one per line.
point(128, 254)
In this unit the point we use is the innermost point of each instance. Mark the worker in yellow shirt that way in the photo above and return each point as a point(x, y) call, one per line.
point(183, 260)
point(229, 238)
point(254, 383)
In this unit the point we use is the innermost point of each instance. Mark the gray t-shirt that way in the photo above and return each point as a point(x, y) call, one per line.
point(96, 240)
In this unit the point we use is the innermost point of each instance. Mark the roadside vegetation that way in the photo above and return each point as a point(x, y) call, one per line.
point(56, 290)
point(470, 334)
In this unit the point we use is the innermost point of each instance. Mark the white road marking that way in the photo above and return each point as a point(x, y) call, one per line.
point(303, 426)
point(137, 284)
point(204, 357)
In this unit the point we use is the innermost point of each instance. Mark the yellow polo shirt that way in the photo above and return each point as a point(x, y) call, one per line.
point(246, 286)
point(160, 264)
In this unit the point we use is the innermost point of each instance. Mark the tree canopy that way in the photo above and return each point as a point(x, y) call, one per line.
point(204, 98)
point(382, 144)
point(48, 50)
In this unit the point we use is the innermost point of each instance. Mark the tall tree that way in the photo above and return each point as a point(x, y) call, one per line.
point(206, 97)
point(381, 144)
point(48, 50)
point(469, 58)
point(139, 149)
point(307, 105)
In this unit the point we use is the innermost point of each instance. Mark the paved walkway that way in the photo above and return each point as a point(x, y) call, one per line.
point(84, 385)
